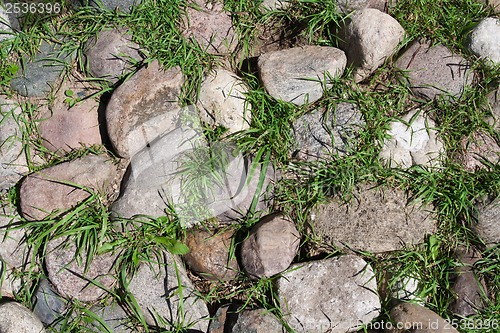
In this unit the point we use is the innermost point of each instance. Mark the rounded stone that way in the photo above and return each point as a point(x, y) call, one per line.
point(415, 318)
point(271, 246)
point(15, 318)
point(484, 42)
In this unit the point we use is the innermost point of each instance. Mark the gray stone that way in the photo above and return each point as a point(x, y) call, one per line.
point(315, 131)
point(434, 71)
point(73, 278)
point(143, 108)
point(41, 73)
point(49, 306)
point(230, 319)
point(396, 288)
point(114, 317)
point(156, 290)
point(494, 105)
point(483, 40)
point(375, 220)
point(349, 6)
point(368, 39)
point(488, 221)
point(478, 151)
point(409, 317)
point(110, 54)
point(65, 127)
point(413, 140)
point(209, 254)
point(121, 5)
point(269, 5)
point(210, 27)
point(335, 295)
point(55, 189)
point(13, 164)
point(300, 75)
point(15, 318)
point(221, 101)
point(5, 25)
point(468, 288)
point(270, 247)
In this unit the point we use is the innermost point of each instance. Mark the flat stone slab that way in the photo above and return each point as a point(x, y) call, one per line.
point(298, 75)
point(375, 220)
point(143, 108)
point(433, 71)
point(335, 295)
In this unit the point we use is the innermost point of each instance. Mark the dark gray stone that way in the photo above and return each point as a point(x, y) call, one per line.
point(271, 246)
point(315, 131)
point(114, 317)
point(49, 306)
point(434, 71)
point(375, 220)
point(110, 53)
point(229, 320)
point(39, 75)
point(332, 295)
point(298, 74)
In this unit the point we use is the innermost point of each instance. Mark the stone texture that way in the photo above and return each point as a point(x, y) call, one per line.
point(483, 40)
point(5, 26)
point(120, 5)
point(396, 288)
point(109, 54)
point(209, 254)
point(221, 101)
point(143, 108)
point(434, 71)
point(41, 73)
point(114, 317)
point(311, 302)
point(488, 221)
point(15, 318)
point(409, 317)
point(13, 163)
point(349, 6)
point(71, 278)
point(228, 320)
point(314, 131)
point(287, 74)
point(270, 247)
point(45, 191)
point(468, 288)
point(49, 306)
point(65, 127)
point(479, 150)
point(375, 220)
point(494, 105)
point(368, 39)
point(269, 5)
point(210, 27)
point(416, 144)
point(156, 291)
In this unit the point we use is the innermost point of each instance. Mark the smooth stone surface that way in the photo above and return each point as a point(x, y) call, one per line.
point(65, 128)
point(114, 318)
point(45, 191)
point(41, 73)
point(287, 74)
point(417, 144)
point(269, 5)
point(434, 71)
point(210, 27)
point(15, 318)
point(221, 101)
point(488, 222)
point(49, 306)
point(349, 6)
point(368, 39)
point(415, 318)
point(13, 165)
point(71, 279)
point(255, 321)
point(143, 108)
point(478, 151)
point(311, 302)
point(376, 220)
point(469, 288)
point(314, 131)
point(483, 41)
point(270, 247)
point(156, 291)
point(209, 254)
point(109, 54)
